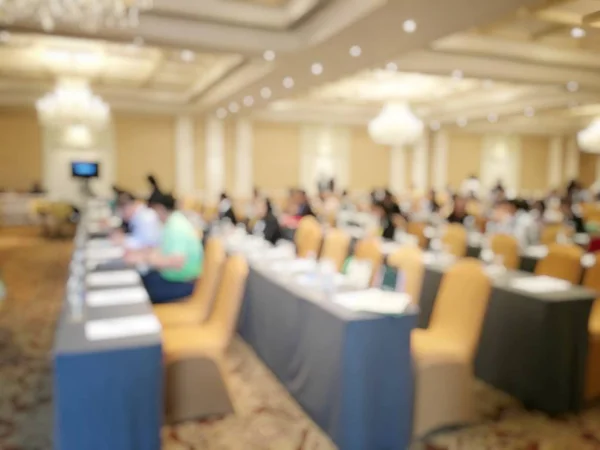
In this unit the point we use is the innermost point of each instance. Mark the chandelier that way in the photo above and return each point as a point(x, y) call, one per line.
point(395, 126)
point(589, 138)
point(88, 14)
point(72, 102)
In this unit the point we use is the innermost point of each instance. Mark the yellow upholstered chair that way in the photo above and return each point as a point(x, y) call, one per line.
point(444, 353)
point(506, 246)
point(550, 233)
point(335, 247)
point(417, 229)
point(214, 336)
point(308, 237)
point(198, 307)
point(562, 261)
point(455, 239)
point(592, 383)
point(369, 249)
point(409, 260)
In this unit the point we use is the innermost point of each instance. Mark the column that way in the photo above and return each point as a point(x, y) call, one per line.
point(555, 163)
point(215, 159)
point(185, 148)
point(572, 159)
point(419, 164)
point(397, 170)
point(244, 139)
point(440, 160)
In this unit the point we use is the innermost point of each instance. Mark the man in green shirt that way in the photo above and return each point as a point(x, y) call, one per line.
point(177, 263)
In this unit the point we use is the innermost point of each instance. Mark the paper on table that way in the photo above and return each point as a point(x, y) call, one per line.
point(316, 279)
point(295, 266)
point(375, 301)
point(389, 247)
point(113, 297)
point(536, 251)
point(99, 243)
point(113, 278)
point(540, 284)
point(97, 330)
point(105, 253)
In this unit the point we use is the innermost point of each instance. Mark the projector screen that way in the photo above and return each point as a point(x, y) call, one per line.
point(81, 169)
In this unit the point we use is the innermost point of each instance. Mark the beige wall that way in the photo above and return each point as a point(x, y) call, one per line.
point(276, 155)
point(369, 162)
point(144, 144)
point(200, 155)
point(464, 157)
point(535, 157)
point(587, 168)
point(20, 150)
point(230, 143)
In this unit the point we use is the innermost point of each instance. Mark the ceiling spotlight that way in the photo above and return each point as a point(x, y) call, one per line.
point(316, 69)
point(577, 32)
point(234, 107)
point(269, 55)
point(492, 117)
point(265, 93)
point(288, 82)
point(488, 84)
point(529, 111)
point(572, 86)
point(434, 125)
point(462, 122)
point(221, 113)
point(409, 26)
point(248, 100)
point(187, 56)
point(391, 66)
point(355, 51)
point(457, 74)
point(4, 36)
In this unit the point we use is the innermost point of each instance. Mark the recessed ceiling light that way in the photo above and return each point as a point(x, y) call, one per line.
point(265, 93)
point(355, 51)
point(572, 86)
point(234, 107)
point(462, 122)
point(391, 66)
point(488, 84)
point(187, 55)
point(577, 32)
point(248, 100)
point(529, 111)
point(269, 55)
point(4, 36)
point(434, 125)
point(288, 82)
point(316, 69)
point(457, 74)
point(409, 26)
point(221, 113)
point(492, 117)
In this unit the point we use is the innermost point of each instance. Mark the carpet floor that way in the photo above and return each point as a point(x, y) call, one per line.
point(267, 418)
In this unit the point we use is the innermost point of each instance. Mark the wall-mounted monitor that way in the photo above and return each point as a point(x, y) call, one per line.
point(83, 169)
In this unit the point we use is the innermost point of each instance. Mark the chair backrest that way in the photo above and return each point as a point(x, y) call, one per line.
point(204, 294)
point(562, 261)
point(455, 239)
point(551, 231)
point(506, 246)
point(336, 246)
point(591, 280)
point(418, 229)
point(369, 249)
point(228, 302)
point(409, 260)
point(308, 237)
point(460, 306)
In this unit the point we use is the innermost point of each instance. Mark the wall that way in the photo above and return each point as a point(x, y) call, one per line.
point(369, 162)
point(588, 165)
point(535, 157)
point(464, 157)
point(20, 150)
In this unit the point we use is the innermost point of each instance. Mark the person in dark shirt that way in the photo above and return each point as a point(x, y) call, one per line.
point(385, 220)
point(155, 192)
point(459, 211)
point(304, 208)
point(267, 224)
point(572, 215)
point(226, 209)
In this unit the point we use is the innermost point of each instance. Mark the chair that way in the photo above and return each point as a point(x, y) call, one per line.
point(409, 260)
point(592, 383)
point(506, 246)
point(308, 237)
point(335, 247)
point(562, 261)
point(444, 353)
point(418, 229)
point(198, 307)
point(369, 249)
point(550, 233)
point(455, 239)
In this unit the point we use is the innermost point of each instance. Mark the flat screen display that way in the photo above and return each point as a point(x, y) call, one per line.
point(80, 169)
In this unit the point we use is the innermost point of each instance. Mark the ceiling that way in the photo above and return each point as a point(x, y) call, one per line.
point(482, 65)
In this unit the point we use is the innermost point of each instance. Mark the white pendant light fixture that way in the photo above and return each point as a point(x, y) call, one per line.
point(395, 126)
point(589, 138)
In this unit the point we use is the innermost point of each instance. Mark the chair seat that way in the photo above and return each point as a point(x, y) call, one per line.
point(193, 341)
point(184, 313)
point(427, 348)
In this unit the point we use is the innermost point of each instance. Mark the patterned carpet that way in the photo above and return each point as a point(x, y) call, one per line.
point(266, 418)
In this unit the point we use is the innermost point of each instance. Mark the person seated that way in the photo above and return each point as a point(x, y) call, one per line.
point(226, 209)
point(503, 218)
point(176, 264)
point(143, 224)
point(459, 211)
point(303, 204)
point(572, 215)
point(346, 203)
point(155, 191)
point(385, 220)
point(37, 189)
point(267, 224)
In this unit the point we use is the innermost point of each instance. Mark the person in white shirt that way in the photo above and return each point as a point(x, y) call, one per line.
point(145, 228)
point(470, 187)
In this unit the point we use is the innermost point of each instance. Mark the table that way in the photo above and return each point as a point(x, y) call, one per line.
point(107, 393)
point(532, 346)
point(351, 372)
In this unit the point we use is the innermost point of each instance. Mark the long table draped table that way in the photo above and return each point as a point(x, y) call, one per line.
point(350, 371)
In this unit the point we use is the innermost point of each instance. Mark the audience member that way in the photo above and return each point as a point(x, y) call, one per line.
point(267, 224)
point(385, 220)
point(459, 211)
point(226, 209)
point(303, 204)
point(155, 192)
point(143, 224)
